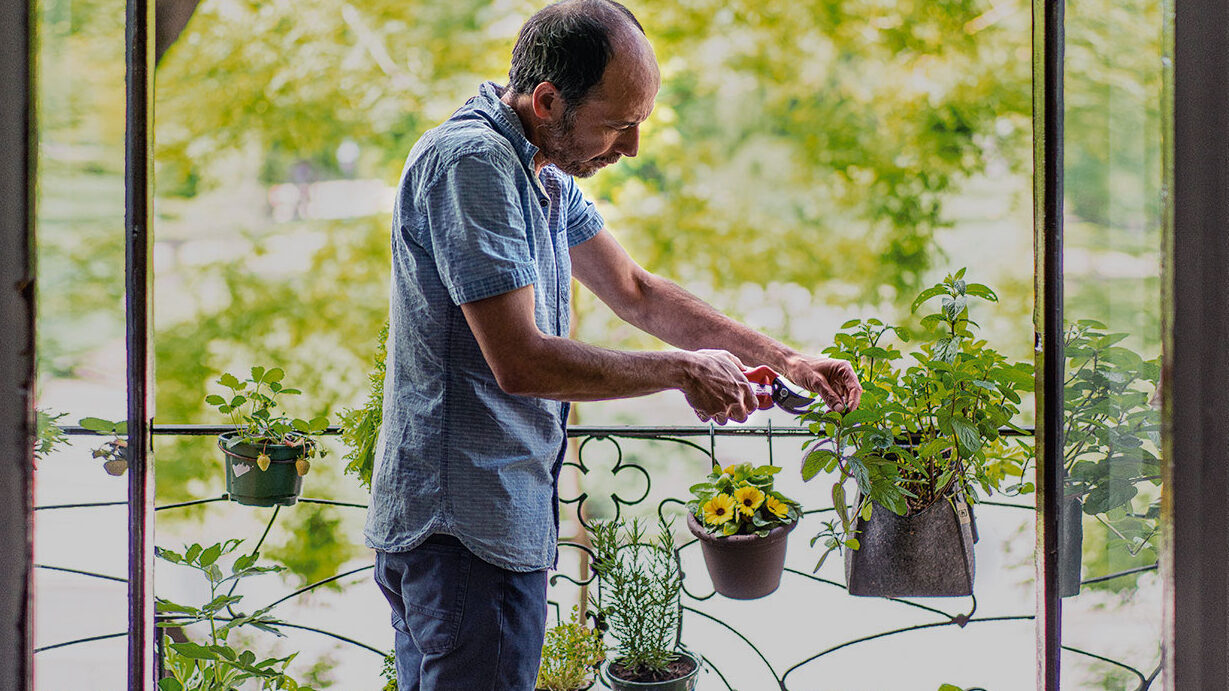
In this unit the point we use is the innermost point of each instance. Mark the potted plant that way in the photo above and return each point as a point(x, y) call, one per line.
point(114, 451)
point(268, 453)
point(922, 443)
point(571, 654)
point(215, 664)
point(638, 600)
point(742, 524)
point(1112, 439)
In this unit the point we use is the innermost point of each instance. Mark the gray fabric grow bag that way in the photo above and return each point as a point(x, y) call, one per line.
point(927, 554)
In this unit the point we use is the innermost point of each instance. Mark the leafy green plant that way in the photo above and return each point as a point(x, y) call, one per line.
point(1112, 432)
point(360, 428)
point(114, 451)
point(253, 409)
point(923, 430)
point(638, 598)
point(47, 433)
point(740, 500)
point(215, 665)
point(388, 673)
point(570, 655)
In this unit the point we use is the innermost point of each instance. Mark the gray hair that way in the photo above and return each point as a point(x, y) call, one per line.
point(568, 44)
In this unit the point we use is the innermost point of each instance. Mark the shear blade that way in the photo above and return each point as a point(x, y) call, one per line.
point(789, 400)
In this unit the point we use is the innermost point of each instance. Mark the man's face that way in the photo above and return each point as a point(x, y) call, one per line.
point(605, 126)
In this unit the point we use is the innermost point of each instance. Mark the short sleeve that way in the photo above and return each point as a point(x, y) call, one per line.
point(477, 230)
point(583, 220)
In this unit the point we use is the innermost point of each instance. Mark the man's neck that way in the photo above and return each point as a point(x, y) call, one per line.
point(523, 108)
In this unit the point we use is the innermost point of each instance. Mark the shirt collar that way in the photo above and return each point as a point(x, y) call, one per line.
point(505, 120)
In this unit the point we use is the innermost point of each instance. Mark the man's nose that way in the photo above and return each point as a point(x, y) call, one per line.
point(628, 143)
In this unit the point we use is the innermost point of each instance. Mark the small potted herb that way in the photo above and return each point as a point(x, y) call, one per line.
point(922, 443)
point(268, 453)
point(570, 656)
point(638, 598)
point(742, 524)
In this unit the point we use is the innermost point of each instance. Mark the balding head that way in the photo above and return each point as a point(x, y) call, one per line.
point(569, 44)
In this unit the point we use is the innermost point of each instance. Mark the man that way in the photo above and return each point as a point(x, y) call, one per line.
point(488, 230)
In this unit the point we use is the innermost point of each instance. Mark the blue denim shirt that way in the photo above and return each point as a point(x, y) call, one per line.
point(456, 454)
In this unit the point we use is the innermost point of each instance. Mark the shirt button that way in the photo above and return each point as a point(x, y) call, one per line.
point(544, 202)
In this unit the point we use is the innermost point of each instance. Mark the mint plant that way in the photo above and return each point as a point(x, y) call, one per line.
point(1112, 432)
point(925, 428)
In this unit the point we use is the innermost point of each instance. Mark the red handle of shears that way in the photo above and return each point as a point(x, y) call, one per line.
point(761, 379)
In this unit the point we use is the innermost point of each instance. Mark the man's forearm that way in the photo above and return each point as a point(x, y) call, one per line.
point(683, 320)
point(567, 370)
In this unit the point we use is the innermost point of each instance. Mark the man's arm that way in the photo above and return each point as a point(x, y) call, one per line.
point(667, 311)
point(527, 362)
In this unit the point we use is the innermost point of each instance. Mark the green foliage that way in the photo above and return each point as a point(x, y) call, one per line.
point(47, 433)
point(638, 598)
point(252, 408)
point(922, 430)
point(570, 655)
point(388, 672)
point(216, 665)
point(1112, 434)
point(797, 122)
point(740, 500)
point(317, 545)
point(360, 429)
point(114, 451)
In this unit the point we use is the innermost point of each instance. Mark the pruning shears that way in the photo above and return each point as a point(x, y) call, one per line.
point(770, 390)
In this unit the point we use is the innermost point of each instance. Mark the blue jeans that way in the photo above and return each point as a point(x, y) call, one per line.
point(462, 624)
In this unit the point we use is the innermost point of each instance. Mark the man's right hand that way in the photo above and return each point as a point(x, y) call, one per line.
point(717, 389)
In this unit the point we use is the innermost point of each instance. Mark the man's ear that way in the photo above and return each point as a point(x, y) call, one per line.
point(548, 104)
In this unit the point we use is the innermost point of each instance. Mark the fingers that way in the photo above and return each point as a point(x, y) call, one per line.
point(834, 400)
point(722, 391)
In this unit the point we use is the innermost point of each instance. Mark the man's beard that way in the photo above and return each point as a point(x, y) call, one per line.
point(558, 145)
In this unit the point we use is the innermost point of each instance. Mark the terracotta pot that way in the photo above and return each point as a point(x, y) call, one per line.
point(924, 554)
point(247, 484)
point(686, 682)
point(743, 567)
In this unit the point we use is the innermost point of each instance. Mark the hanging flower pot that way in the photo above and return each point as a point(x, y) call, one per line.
point(742, 524)
point(743, 567)
point(267, 454)
point(928, 553)
point(684, 673)
point(265, 474)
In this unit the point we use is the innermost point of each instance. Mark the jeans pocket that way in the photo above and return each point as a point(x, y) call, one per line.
point(433, 582)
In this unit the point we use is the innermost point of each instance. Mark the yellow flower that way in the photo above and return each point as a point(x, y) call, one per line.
point(778, 508)
point(729, 469)
point(719, 509)
point(749, 499)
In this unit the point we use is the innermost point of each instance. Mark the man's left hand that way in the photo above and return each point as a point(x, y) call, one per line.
point(834, 381)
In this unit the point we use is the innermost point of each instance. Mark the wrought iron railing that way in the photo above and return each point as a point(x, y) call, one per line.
point(698, 440)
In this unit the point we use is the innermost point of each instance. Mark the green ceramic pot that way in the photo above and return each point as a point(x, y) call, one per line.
point(684, 683)
point(247, 484)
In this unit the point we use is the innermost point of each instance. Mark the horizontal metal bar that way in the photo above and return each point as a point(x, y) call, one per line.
point(91, 639)
point(631, 432)
point(81, 573)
